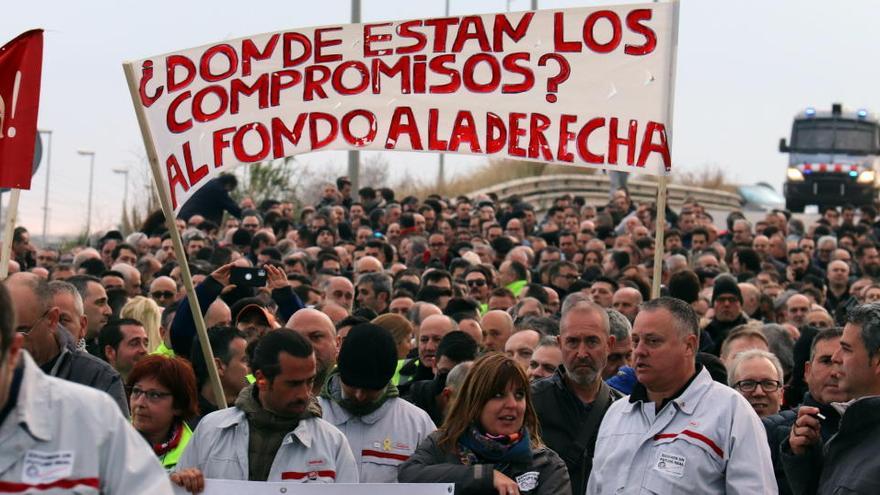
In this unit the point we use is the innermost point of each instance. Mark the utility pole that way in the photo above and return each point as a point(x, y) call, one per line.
point(354, 156)
point(91, 155)
point(46, 194)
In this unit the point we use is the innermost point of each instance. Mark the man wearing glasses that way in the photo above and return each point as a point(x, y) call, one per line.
point(163, 290)
point(56, 435)
point(50, 346)
point(757, 375)
point(479, 283)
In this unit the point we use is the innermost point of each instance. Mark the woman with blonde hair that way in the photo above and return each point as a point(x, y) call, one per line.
point(489, 442)
point(146, 311)
point(402, 332)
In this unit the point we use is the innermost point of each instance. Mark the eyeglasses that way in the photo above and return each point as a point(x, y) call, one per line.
point(153, 396)
point(751, 385)
point(437, 244)
point(162, 294)
point(26, 330)
point(477, 282)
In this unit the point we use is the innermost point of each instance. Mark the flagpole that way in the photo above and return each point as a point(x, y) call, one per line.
point(660, 230)
point(165, 200)
point(11, 213)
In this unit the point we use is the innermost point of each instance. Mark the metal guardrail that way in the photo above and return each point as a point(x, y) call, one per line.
point(542, 190)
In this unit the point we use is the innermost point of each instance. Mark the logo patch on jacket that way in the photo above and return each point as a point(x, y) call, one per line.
point(527, 481)
point(46, 467)
point(671, 464)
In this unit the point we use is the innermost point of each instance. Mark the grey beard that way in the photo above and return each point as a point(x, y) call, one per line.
point(582, 379)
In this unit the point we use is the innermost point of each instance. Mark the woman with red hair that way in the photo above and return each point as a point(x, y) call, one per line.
point(163, 397)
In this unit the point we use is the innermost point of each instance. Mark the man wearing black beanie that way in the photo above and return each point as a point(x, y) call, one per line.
point(727, 302)
point(360, 400)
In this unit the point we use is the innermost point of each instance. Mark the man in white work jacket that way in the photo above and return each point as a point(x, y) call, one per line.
point(679, 431)
point(359, 399)
point(272, 433)
point(61, 437)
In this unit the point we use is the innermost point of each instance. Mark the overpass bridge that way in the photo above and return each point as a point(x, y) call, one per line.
point(594, 188)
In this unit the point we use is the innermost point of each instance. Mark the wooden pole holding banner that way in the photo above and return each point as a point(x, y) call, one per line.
point(11, 215)
point(165, 200)
point(660, 228)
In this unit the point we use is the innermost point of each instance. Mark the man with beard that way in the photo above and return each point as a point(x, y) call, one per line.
point(576, 394)
point(679, 431)
point(727, 301)
point(318, 328)
point(868, 260)
point(383, 430)
point(799, 266)
point(273, 432)
point(823, 389)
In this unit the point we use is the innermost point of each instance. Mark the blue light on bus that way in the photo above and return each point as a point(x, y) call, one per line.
point(862, 113)
point(810, 111)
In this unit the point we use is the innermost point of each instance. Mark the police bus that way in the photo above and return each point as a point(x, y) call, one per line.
point(834, 158)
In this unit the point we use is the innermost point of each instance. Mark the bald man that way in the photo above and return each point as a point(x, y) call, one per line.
point(367, 264)
point(497, 328)
point(431, 331)
point(163, 290)
point(521, 345)
point(339, 290)
point(626, 300)
point(320, 331)
point(336, 312)
point(218, 314)
point(796, 309)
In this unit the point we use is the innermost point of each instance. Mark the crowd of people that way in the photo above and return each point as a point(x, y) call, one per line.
point(470, 340)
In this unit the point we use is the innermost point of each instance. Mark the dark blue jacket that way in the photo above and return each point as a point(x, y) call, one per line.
point(183, 327)
point(210, 201)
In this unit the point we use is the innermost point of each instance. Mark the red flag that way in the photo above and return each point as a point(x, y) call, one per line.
point(21, 63)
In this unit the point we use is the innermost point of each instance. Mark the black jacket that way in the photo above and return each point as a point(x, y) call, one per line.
point(719, 330)
point(563, 416)
point(432, 464)
point(209, 202)
point(83, 368)
point(779, 426)
point(423, 394)
point(848, 463)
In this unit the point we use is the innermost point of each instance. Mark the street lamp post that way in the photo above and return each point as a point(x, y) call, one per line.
point(46, 194)
point(123, 171)
point(91, 155)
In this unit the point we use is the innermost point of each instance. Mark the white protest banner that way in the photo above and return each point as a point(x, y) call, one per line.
point(231, 487)
point(585, 87)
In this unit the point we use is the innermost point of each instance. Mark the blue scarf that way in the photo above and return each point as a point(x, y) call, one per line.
point(478, 446)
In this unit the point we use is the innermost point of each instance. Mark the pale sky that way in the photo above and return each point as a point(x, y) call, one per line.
point(744, 69)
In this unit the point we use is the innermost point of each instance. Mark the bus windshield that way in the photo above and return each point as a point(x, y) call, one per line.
point(834, 136)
